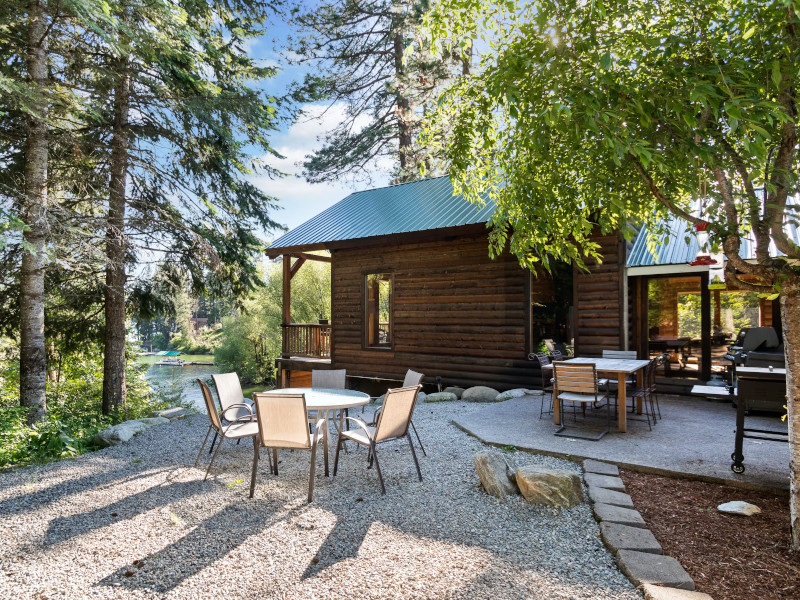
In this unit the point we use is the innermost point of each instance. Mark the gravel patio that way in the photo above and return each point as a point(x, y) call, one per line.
point(135, 521)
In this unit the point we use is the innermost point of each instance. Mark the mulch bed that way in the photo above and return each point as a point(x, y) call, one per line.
point(730, 557)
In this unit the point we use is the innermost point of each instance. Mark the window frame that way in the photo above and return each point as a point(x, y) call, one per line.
point(389, 274)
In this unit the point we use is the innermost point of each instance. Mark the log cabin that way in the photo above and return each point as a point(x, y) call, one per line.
point(413, 287)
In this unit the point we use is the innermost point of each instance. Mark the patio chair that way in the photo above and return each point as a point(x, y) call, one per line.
point(611, 384)
point(412, 378)
point(332, 379)
point(282, 422)
point(231, 401)
point(235, 430)
point(393, 423)
point(546, 382)
point(645, 392)
point(577, 383)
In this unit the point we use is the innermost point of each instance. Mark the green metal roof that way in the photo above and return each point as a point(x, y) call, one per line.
point(416, 206)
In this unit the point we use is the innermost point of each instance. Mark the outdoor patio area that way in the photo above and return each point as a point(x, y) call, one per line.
point(136, 521)
point(695, 437)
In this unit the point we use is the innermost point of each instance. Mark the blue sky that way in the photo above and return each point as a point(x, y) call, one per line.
point(299, 199)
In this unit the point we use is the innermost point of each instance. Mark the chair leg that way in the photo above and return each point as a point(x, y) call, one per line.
point(275, 460)
point(311, 475)
point(425, 454)
point(213, 441)
point(414, 454)
point(205, 439)
point(378, 468)
point(255, 465)
point(336, 458)
point(213, 457)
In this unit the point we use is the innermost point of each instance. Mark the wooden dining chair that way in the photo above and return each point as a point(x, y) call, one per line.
point(577, 383)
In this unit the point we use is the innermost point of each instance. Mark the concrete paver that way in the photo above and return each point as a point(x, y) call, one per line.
point(598, 494)
point(657, 592)
point(617, 514)
point(605, 481)
point(643, 567)
point(618, 537)
point(601, 468)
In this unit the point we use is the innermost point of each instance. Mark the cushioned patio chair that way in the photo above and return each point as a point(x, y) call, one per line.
point(282, 422)
point(234, 430)
point(577, 383)
point(393, 423)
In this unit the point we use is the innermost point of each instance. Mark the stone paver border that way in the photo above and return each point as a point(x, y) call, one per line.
point(624, 532)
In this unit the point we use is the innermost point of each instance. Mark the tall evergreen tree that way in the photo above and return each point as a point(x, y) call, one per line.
point(358, 52)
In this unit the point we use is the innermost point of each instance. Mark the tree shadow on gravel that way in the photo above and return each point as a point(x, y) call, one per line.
point(64, 528)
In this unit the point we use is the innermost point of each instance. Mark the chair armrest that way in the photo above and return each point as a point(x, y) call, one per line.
point(240, 419)
point(360, 424)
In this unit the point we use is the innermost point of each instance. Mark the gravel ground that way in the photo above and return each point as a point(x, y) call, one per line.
point(136, 521)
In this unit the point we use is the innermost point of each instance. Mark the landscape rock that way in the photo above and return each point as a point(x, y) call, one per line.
point(458, 391)
point(495, 473)
point(601, 468)
point(124, 431)
point(479, 393)
point(642, 568)
point(510, 394)
point(441, 397)
point(737, 507)
point(422, 397)
point(608, 513)
point(540, 485)
point(657, 592)
point(618, 537)
point(176, 412)
point(605, 481)
point(598, 494)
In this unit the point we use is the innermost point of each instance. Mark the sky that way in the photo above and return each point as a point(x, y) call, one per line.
point(299, 199)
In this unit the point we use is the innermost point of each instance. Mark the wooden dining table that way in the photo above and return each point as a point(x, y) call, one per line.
point(327, 401)
point(612, 368)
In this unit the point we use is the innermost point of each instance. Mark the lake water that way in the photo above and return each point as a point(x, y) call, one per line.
point(183, 378)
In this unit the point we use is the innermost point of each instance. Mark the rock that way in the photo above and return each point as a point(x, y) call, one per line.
point(609, 513)
point(441, 397)
point(737, 507)
point(126, 430)
point(176, 412)
point(458, 391)
point(540, 485)
point(657, 569)
point(605, 481)
point(601, 468)
point(479, 393)
point(618, 537)
point(656, 592)
point(604, 496)
point(422, 397)
point(508, 395)
point(495, 474)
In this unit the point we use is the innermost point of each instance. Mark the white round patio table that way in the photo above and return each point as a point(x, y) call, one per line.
point(327, 401)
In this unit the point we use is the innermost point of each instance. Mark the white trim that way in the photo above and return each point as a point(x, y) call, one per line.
point(682, 268)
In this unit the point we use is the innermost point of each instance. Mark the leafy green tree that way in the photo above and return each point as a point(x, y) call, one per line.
point(591, 115)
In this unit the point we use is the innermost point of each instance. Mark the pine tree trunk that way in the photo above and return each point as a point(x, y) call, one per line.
point(403, 109)
point(114, 386)
point(33, 359)
point(790, 315)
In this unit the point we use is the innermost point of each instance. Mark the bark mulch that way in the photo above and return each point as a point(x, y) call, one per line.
point(730, 557)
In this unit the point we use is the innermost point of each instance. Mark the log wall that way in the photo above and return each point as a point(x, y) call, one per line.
point(598, 300)
point(456, 313)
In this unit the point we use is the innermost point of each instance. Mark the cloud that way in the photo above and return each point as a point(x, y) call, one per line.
point(299, 199)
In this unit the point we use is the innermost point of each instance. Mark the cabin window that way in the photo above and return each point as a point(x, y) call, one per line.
point(378, 330)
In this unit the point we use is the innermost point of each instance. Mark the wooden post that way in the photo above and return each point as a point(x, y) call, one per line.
point(705, 328)
point(287, 289)
point(717, 311)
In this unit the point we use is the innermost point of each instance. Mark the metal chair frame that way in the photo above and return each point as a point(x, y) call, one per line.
point(577, 383)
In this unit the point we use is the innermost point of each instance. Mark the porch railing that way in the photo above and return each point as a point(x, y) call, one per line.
point(310, 340)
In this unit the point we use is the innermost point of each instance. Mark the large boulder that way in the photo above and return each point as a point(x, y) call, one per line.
point(441, 397)
point(480, 393)
point(540, 485)
point(496, 475)
point(510, 394)
point(124, 431)
point(458, 391)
